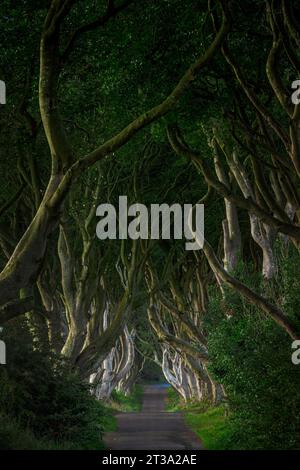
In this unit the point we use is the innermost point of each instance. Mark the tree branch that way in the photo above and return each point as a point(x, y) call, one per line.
point(142, 121)
point(111, 12)
point(15, 308)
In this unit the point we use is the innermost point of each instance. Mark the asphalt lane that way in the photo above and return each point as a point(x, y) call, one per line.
point(153, 428)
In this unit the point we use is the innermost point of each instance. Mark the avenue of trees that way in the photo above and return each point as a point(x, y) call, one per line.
point(165, 101)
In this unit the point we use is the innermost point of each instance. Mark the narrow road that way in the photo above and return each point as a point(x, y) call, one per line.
point(152, 428)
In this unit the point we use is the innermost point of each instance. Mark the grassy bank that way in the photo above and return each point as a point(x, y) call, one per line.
point(211, 427)
point(209, 423)
point(127, 403)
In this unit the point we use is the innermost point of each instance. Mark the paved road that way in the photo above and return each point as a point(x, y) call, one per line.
point(152, 428)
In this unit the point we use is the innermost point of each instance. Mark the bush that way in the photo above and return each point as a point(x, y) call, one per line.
point(14, 437)
point(43, 397)
point(251, 357)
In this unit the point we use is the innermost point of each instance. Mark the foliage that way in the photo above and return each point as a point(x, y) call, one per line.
point(251, 357)
point(15, 437)
point(41, 396)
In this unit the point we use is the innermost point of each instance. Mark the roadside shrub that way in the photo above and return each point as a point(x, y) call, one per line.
point(251, 357)
point(45, 398)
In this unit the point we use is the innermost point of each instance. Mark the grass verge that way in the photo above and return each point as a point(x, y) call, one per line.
point(127, 403)
point(208, 422)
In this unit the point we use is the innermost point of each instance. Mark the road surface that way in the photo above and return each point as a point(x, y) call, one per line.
point(152, 428)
